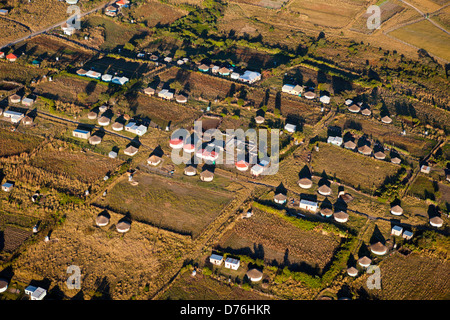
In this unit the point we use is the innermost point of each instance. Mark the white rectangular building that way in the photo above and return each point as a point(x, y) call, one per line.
point(335, 140)
point(134, 128)
point(216, 259)
point(82, 134)
point(231, 263)
point(308, 205)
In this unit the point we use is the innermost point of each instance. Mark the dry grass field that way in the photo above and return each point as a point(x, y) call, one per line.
point(113, 265)
point(167, 203)
point(13, 143)
point(70, 89)
point(413, 277)
point(11, 238)
point(412, 143)
point(424, 34)
point(350, 167)
point(267, 236)
point(87, 166)
point(153, 13)
point(19, 73)
point(11, 30)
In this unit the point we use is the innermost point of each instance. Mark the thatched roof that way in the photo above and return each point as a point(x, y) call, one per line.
point(366, 112)
point(324, 190)
point(102, 220)
point(354, 108)
point(123, 226)
point(259, 119)
point(396, 210)
point(352, 271)
point(27, 120)
point(95, 140)
point(365, 150)
point(207, 174)
point(364, 261)
point(378, 248)
point(326, 212)
point(254, 274)
point(386, 119)
point(309, 95)
point(103, 120)
point(380, 155)
point(436, 221)
point(280, 197)
point(305, 183)
point(117, 126)
point(92, 115)
point(190, 169)
point(340, 216)
point(350, 145)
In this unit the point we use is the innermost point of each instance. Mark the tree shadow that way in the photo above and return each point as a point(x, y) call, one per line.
point(304, 173)
point(377, 236)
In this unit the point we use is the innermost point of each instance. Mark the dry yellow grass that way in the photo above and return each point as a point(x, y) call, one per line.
point(123, 265)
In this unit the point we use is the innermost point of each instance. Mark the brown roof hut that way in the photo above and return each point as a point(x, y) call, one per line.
point(350, 145)
point(123, 226)
point(380, 155)
point(365, 150)
point(254, 275)
point(94, 140)
point(102, 219)
point(324, 190)
point(364, 261)
point(354, 108)
point(378, 248)
point(341, 216)
point(397, 210)
point(206, 176)
point(386, 120)
point(305, 183)
point(436, 222)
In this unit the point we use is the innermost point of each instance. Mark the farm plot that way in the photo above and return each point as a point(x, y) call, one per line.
point(86, 167)
point(12, 143)
point(72, 89)
point(11, 238)
point(166, 203)
point(267, 236)
point(129, 69)
point(206, 288)
point(350, 167)
point(425, 35)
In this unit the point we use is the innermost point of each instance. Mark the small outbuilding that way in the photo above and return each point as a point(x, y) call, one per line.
point(259, 119)
point(216, 259)
point(130, 151)
point(94, 140)
point(397, 210)
point(190, 171)
point(354, 108)
point(326, 212)
point(92, 115)
point(7, 186)
point(123, 226)
point(231, 263)
point(3, 285)
point(242, 165)
point(102, 219)
point(396, 231)
point(365, 150)
point(350, 145)
point(206, 176)
point(117, 126)
point(380, 155)
point(386, 120)
point(324, 190)
point(154, 160)
point(352, 272)
point(104, 121)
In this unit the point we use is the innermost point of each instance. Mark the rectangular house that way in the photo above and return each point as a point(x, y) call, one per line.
point(308, 205)
point(216, 259)
point(231, 263)
point(82, 134)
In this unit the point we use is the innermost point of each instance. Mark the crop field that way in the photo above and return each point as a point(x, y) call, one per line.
point(267, 236)
point(413, 277)
point(113, 265)
point(166, 203)
point(83, 166)
point(203, 287)
point(424, 34)
point(350, 167)
point(12, 143)
point(11, 238)
point(443, 18)
point(163, 112)
point(72, 89)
